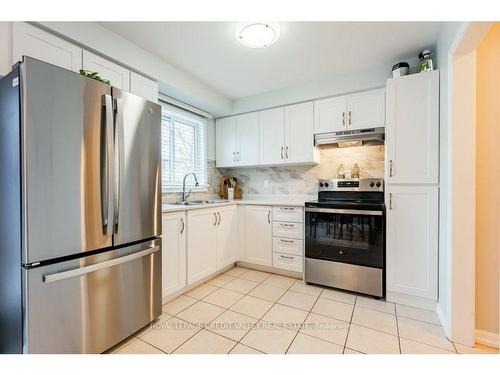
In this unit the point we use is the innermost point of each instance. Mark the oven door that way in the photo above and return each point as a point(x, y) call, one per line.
point(345, 235)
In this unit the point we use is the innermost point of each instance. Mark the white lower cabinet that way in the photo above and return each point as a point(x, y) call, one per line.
point(173, 252)
point(288, 229)
point(257, 235)
point(227, 236)
point(202, 244)
point(412, 240)
point(287, 262)
point(212, 241)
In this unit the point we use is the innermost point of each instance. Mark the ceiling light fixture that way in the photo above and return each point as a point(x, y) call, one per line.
point(257, 34)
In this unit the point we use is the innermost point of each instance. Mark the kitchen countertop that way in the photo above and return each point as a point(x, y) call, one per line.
point(251, 199)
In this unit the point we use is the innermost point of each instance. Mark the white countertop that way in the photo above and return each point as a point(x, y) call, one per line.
point(249, 199)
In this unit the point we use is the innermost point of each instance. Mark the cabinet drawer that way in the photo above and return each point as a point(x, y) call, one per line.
point(287, 230)
point(287, 246)
point(287, 262)
point(291, 214)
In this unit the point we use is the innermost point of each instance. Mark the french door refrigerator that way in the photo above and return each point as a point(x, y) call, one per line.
point(80, 212)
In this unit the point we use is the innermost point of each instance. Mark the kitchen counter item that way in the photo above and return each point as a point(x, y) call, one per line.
point(400, 69)
point(425, 63)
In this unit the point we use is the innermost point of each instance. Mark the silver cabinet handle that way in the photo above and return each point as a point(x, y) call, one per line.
point(286, 208)
point(343, 118)
point(287, 241)
point(286, 257)
point(282, 152)
point(215, 217)
point(287, 225)
point(107, 173)
point(183, 225)
point(98, 266)
point(286, 152)
point(269, 217)
point(390, 168)
point(234, 156)
point(218, 214)
point(238, 156)
point(390, 201)
point(350, 118)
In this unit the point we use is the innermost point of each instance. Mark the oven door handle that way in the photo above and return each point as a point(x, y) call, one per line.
point(344, 211)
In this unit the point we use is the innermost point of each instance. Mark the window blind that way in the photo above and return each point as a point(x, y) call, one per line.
point(184, 149)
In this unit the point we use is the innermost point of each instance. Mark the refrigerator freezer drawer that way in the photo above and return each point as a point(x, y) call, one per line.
point(89, 304)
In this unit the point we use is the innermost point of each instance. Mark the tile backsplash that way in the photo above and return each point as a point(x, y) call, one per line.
point(302, 180)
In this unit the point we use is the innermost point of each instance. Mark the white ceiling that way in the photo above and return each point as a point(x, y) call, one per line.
point(305, 51)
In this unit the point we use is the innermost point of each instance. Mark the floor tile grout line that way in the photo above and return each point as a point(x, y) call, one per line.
point(154, 346)
point(350, 324)
point(397, 329)
point(307, 316)
point(259, 320)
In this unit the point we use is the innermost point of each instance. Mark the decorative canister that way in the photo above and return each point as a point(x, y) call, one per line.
point(425, 63)
point(400, 69)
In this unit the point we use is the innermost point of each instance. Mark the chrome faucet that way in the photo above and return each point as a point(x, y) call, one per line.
point(185, 196)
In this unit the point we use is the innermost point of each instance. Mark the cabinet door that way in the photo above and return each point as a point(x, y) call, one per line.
point(330, 115)
point(227, 240)
point(272, 136)
point(143, 87)
point(258, 235)
point(247, 130)
point(173, 252)
point(299, 134)
point(366, 110)
point(412, 240)
point(31, 41)
point(201, 242)
point(226, 142)
point(412, 132)
point(116, 74)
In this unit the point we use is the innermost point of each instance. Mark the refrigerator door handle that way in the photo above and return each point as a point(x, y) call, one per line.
point(99, 266)
point(107, 167)
point(118, 159)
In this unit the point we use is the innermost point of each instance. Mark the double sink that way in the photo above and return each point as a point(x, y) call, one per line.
point(198, 202)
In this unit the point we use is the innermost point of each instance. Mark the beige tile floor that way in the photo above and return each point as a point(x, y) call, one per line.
point(250, 312)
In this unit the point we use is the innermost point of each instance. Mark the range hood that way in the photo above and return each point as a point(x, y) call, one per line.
point(351, 138)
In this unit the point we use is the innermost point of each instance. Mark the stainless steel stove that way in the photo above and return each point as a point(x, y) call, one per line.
point(345, 236)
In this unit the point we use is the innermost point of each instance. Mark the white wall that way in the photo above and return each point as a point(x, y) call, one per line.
point(5, 63)
point(173, 82)
point(444, 46)
point(371, 78)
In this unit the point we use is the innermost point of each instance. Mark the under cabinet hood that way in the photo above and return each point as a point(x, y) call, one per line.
point(351, 138)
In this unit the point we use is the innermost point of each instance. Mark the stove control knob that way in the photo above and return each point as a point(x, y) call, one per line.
point(327, 184)
point(378, 184)
point(320, 184)
point(372, 184)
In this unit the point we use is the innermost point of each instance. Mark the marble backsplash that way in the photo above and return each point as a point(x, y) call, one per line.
point(302, 180)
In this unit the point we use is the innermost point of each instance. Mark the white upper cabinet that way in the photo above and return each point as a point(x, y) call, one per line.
point(28, 40)
point(247, 139)
point(299, 134)
point(412, 240)
point(143, 87)
point(366, 110)
point(173, 249)
point(271, 136)
point(116, 74)
point(225, 142)
point(350, 112)
point(237, 139)
point(330, 114)
point(412, 134)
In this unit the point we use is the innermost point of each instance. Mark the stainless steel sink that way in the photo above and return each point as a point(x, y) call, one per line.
point(198, 202)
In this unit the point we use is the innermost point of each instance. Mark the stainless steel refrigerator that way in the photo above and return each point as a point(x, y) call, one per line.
point(80, 212)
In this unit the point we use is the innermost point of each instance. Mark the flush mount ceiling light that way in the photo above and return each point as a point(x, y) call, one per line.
point(257, 34)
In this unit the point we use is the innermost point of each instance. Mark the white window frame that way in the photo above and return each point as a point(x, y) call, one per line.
point(200, 125)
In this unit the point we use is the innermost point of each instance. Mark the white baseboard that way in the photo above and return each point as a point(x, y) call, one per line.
point(444, 321)
point(408, 300)
point(487, 338)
